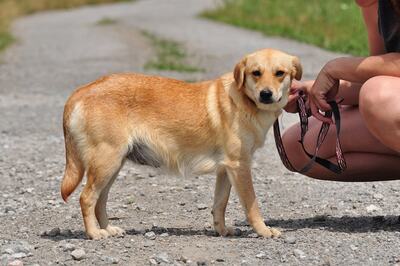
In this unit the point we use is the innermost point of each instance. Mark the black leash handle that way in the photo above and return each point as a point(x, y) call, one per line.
point(304, 114)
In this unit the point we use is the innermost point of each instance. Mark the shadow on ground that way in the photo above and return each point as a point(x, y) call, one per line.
point(348, 224)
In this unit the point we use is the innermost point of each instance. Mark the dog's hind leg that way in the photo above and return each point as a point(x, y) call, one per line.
point(221, 196)
point(101, 212)
point(103, 167)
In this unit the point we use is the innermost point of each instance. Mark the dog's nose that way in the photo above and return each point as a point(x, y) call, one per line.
point(266, 96)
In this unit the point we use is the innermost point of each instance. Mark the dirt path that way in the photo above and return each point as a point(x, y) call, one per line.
point(323, 222)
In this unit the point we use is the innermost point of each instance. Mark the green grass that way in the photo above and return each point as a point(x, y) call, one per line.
point(170, 55)
point(11, 9)
point(335, 25)
point(106, 21)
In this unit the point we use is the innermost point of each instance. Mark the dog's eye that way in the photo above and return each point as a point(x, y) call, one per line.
point(256, 73)
point(279, 73)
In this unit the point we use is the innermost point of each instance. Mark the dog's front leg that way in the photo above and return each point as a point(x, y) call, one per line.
point(239, 174)
point(221, 196)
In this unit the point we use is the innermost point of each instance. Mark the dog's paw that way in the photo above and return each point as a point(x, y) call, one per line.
point(98, 234)
point(226, 231)
point(115, 231)
point(275, 232)
point(270, 232)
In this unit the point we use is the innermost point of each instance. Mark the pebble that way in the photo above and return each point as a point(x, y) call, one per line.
point(201, 206)
point(161, 257)
point(164, 235)
point(68, 247)
point(110, 260)
point(19, 255)
point(16, 263)
point(66, 232)
point(253, 235)
point(378, 196)
point(241, 223)
point(183, 259)
point(78, 254)
point(290, 240)
point(150, 235)
point(260, 255)
point(353, 247)
point(299, 253)
point(148, 244)
point(54, 232)
point(153, 261)
point(372, 208)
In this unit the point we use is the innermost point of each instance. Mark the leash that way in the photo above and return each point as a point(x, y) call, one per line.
point(304, 113)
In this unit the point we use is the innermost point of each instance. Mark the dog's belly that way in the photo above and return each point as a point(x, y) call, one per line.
point(186, 164)
point(141, 153)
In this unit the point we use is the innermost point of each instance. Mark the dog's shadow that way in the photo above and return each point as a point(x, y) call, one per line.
point(347, 224)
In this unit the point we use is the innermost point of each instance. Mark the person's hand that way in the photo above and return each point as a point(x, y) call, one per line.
point(297, 86)
point(324, 89)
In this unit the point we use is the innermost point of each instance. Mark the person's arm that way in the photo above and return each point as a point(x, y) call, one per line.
point(360, 69)
point(369, 9)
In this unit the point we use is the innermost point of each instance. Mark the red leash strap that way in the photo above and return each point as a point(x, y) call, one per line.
point(304, 114)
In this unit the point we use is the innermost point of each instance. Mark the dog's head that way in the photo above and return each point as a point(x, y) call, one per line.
point(265, 77)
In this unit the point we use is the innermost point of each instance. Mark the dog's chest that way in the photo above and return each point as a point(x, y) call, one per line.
point(261, 127)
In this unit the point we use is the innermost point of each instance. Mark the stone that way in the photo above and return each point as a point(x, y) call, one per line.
point(78, 254)
point(16, 263)
point(161, 257)
point(378, 196)
point(148, 244)
point(153, 261)
point(68, 247)
point(260, 255)
point(66, 232)
point(372, 208)
point(110, 260)
point(19, 255)
point(150, 235)
point(353, 247)
point(164, 235)
point(201, 206)
point(290, 240)
point(54, 232)
point(299, 253)
point(253, 235)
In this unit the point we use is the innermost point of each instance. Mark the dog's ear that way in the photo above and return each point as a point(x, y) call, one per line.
point(238, 73)
point(297, 71)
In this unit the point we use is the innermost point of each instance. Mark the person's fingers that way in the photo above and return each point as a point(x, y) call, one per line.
point(315, 112)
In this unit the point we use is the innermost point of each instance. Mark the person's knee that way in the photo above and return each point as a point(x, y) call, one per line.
point(378, 106)
point(374, 95)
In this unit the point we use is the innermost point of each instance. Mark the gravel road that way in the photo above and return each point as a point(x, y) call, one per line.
point(167, 218)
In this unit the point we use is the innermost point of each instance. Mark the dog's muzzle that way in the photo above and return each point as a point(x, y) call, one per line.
point(266, 96)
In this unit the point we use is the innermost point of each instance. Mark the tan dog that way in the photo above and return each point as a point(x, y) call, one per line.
point(187, 128)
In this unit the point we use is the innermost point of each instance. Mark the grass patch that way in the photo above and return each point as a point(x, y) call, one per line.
point(106, 21)
point(333, 25)
point(11, 9)
point(170, 55)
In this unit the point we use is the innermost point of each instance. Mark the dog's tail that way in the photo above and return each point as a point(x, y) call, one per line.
point(74, 168)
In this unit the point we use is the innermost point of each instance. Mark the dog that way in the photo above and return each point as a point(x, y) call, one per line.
point(186, 128)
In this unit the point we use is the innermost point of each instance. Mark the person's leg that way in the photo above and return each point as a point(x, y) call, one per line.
point(367, 158)
point(380, 108)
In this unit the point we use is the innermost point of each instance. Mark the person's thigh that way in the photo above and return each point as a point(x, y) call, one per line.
point(354, 136)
